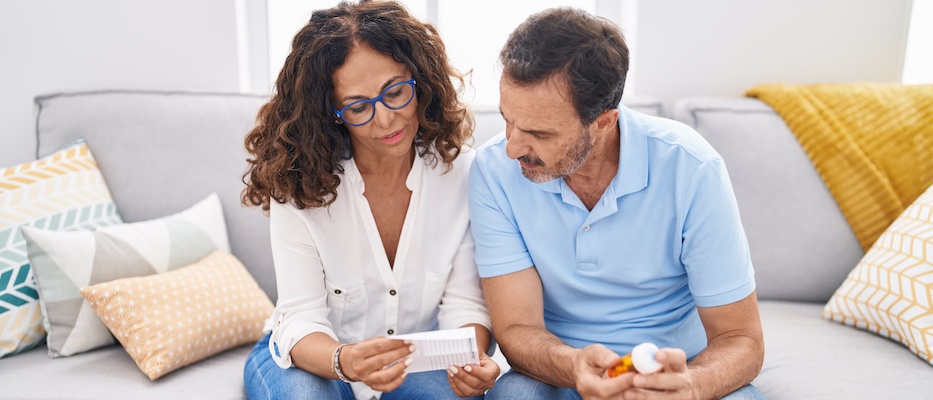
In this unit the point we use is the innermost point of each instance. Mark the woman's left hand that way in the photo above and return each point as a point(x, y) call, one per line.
point(473, 379)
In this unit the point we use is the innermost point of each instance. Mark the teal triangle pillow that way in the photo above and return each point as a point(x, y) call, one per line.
point(64, 191)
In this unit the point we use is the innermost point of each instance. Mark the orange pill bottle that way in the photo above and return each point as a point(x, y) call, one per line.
point(640, 360)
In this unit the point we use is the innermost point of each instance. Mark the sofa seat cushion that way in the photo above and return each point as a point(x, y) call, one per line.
point(807, 357)
point(110, 373)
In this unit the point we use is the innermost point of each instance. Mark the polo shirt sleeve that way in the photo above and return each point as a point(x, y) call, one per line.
point(500, 249)
point(715, 250)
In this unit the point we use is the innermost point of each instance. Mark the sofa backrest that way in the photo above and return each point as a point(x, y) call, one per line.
point(801, 245)
point(161, 152)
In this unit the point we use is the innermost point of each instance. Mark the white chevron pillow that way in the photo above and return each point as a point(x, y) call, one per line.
point(64, 262)
point(890, 291)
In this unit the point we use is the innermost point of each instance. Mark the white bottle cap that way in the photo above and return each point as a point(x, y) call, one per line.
point(643, 358)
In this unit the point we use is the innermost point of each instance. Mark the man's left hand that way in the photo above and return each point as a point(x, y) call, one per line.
point(673, 381)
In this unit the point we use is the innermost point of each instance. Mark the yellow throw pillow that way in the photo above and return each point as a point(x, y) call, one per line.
point(890, 291)
point(170, 320)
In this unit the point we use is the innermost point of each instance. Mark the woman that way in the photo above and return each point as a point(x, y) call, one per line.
point(357, 157)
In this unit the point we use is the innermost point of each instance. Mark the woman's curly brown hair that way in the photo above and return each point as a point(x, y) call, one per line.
point(297, 147)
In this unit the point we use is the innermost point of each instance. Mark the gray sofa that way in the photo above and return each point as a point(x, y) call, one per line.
point(802, 249)
point(160, 152)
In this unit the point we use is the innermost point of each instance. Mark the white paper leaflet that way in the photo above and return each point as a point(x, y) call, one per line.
point(437, 350)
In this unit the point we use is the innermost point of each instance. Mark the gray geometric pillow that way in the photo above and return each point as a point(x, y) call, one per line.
point(64, 262)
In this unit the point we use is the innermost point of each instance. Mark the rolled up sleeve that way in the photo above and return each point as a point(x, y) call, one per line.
point(462, 302)
point(302, 298)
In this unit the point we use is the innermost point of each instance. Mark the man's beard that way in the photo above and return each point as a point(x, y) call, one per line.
point(576, 155)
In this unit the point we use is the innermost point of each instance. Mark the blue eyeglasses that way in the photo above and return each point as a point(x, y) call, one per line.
point(395, 97)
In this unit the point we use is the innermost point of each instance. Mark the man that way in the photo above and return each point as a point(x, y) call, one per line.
point(614, 228)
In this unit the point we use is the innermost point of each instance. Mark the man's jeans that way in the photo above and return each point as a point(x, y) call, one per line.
point(514, 385)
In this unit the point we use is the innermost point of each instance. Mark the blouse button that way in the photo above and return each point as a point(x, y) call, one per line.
point(337, 291)
point(392, 292)
point(586, 228)
point(391, 331)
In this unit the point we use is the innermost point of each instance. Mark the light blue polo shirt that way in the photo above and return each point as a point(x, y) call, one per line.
point(664, 238)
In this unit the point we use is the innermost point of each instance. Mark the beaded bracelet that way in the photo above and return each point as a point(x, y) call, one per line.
point(337, 369)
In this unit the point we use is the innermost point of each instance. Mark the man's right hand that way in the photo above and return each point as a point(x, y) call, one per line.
point(590, 370)
point(378, 362)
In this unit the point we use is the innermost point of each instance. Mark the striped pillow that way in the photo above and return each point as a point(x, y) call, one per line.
point(889, 291)
point(64, 191)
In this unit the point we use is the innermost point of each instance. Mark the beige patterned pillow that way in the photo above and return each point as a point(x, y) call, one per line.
point(889, 291)
point(170, 320)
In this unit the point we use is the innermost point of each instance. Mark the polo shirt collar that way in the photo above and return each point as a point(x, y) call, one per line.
point(632, 175)
point(552, 186)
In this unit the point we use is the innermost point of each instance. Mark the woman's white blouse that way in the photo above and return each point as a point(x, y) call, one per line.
point(334, 277)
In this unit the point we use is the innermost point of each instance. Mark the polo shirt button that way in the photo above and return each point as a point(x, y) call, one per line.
point(392, 292)
point(337, 291)
point(391, 331)
point(586, 228)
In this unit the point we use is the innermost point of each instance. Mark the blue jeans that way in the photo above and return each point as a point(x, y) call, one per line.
point(265, 380)
point(514, 385)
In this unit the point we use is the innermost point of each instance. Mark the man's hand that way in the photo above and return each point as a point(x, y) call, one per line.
point(672, 382)
point(378, 362)
point(593, 382)
point(474, 380)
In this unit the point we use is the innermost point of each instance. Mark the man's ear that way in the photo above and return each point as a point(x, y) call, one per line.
point(606, 120)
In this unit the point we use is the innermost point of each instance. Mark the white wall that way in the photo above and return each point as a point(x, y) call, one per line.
point(918, 60)
point(64, 45)
point(684, 48)
point(724, 47)
point(479, 52)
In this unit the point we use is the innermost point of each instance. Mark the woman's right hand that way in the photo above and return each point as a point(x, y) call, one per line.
point(378, 362)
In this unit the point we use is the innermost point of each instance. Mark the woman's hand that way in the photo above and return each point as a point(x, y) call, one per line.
point(377, 362)
point(473, 379)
